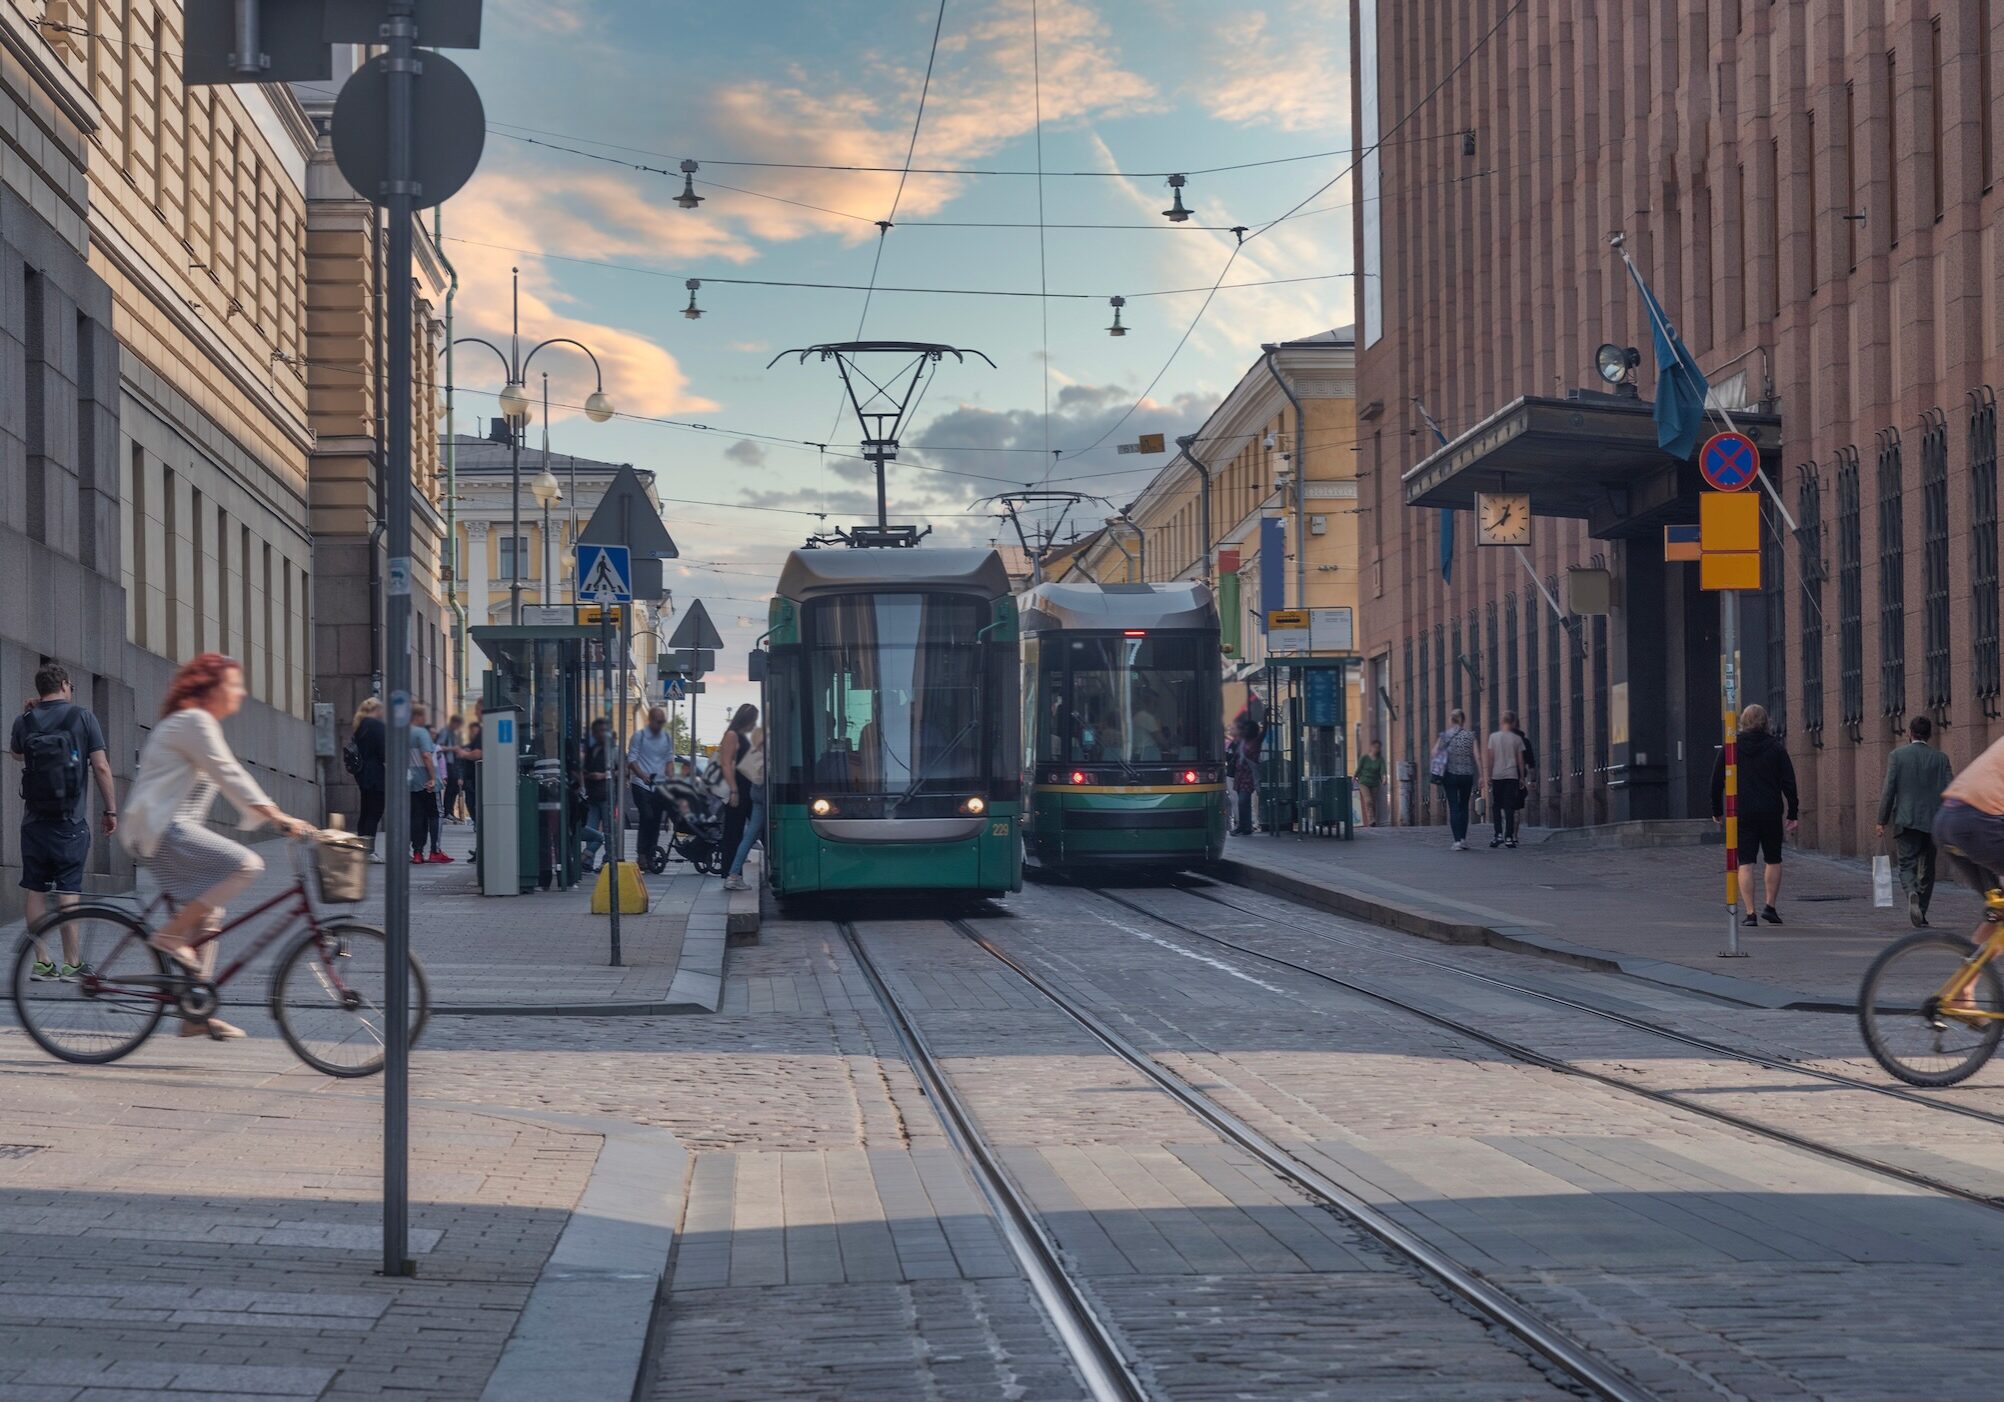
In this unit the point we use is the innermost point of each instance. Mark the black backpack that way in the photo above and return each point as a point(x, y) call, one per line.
point(351, 757)
point(53, 765)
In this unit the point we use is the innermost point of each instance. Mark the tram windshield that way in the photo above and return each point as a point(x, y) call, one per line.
point(894, 692)
point(1134, 700)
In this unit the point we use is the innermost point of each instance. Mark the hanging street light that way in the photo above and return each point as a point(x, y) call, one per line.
point(598, 406)
point(1117, 329)
point(515, 404)
point(1177, 213)
point(547, 493)
point(689, 199)
point(692, 311)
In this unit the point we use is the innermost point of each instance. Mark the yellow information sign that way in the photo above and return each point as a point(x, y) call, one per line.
point(1286, 618)
point(1729, 569)
point(1151, 443)
point(1728, 521)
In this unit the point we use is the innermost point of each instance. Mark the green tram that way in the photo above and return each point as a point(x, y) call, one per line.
point(891, 710)
point(1122, 690)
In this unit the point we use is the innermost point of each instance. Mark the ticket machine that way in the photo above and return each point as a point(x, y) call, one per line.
point(500, 801)
point(538, 678)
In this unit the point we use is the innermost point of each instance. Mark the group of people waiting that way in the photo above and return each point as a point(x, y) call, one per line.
point(441, 776)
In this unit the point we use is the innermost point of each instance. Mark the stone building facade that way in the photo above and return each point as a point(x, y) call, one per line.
point(1813, 192)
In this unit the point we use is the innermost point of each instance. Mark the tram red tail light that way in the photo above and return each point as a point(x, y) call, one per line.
point(1135, 633)
point(1189, 776)
point(1079, 776)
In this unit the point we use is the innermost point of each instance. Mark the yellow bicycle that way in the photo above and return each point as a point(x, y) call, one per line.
point(1932, 1007)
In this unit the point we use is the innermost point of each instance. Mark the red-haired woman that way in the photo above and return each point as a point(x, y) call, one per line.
point(183, 765)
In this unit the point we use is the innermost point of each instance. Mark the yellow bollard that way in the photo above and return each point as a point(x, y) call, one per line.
point(632, 891)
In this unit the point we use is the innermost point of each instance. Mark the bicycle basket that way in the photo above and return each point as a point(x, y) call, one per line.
point(341, 864)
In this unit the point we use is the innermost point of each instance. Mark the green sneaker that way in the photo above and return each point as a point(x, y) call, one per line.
point(41, 971)
point(70, 972)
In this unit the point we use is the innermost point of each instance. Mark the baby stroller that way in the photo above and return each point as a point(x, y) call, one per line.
point(695, 827)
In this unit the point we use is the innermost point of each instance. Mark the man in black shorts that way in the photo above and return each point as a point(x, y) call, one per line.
point(1969, 829)
point(1767, 806)
point(58, 742)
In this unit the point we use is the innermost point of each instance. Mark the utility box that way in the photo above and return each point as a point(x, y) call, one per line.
point(501, 802)
point(1589, 592)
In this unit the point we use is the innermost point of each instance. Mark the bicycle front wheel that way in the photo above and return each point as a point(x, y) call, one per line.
point(1909, 1030)
point(330, 999)
point(88, 986)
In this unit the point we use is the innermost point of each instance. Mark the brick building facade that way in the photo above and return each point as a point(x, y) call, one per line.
point(1813, 193)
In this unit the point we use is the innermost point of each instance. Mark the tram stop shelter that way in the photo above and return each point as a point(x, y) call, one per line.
point(1593, 457)
point(547, 677)
point(1304, 783)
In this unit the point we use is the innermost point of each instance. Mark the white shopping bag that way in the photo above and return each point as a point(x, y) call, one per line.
point(1882, 881)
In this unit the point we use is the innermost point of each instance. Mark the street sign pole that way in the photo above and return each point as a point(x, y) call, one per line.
point(614, 840)
point(400, 69)
point(1729, 668)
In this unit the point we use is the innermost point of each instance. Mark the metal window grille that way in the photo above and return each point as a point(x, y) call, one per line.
point(1425, 723)
point(1809, 534)
point(1935, 625)
point(1473, 668)
point(1601, 751)
point(1440, 673)
point(1555, 639)
point(1892, 579)
point(1577, 749)
point(1850, 594)
point(1530, 697)
point(1983, 610)
point(1454, 666)
point(1511, 696)
point(1407, 696)
point(1774, 596)
point(1495, 670)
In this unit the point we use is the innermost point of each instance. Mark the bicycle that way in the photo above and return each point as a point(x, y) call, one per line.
point(1938, 994)
point(328, 986)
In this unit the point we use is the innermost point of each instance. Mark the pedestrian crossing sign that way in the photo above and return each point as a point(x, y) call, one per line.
point(605, 574)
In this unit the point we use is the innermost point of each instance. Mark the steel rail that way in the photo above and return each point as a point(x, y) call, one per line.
point(1557, 1347)
point(1098, 1353)
point(1531, 1056)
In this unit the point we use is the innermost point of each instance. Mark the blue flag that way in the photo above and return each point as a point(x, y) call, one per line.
point(1272, 567)
point(1446, 514)
point(1680, 384)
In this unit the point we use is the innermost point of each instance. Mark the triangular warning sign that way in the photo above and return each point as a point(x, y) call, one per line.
point(695, 629)
point(626, 516)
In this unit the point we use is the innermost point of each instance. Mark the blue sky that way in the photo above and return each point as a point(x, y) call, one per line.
point(1126, 85)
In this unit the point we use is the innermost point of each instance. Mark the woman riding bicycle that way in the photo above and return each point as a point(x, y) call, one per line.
point(185, 762)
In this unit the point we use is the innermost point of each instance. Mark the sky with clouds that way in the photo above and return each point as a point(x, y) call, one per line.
point(1120, 86)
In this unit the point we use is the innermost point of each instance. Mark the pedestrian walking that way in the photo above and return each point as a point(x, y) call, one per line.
point(365, 760)
point(185, 762)
point(650, 757)
point(1969, 828)
point(1916, 776)
point(1455, 767)
point(449, 742)
point(422, 781)
point(1768, 809)
point(1506, 781)
point(731, 751)
point(1244, 762)
point(1370, 775)
point(61, 749)
point(751, 769)
point(601, 763)
point(440, 759)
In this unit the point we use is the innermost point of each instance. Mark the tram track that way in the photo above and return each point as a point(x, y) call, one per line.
point(1531, 1056)
point(1092, 1339)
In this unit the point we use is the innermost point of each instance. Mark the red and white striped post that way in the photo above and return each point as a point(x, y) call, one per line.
point(1729, 680)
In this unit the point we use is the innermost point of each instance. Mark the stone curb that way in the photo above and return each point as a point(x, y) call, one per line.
point(1412, 920)
point(584, 1331)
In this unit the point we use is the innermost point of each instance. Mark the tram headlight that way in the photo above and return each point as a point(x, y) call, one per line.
point(976, 804)
point(821, 808)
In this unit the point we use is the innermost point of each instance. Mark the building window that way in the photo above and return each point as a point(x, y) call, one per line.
point(1440, 665)
point(1892, 578)
point(1511, 695)
point(1454, 661)
point(1495, 669)
point(1577, 745)
point(1529, 713)
point(1555, 640)
point(1425, 703)
point(1935, 84)
point(1850, 594)
point(1601, 750)
point(1986, 97)
point(1893, 153)
point(1934, 561)
point(1809, 510)
point(1774, 596)
point(515, 557)
point(1407, 697)
point(1983, 545)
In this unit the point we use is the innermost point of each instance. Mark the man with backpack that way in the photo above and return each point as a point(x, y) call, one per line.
point(60, 746)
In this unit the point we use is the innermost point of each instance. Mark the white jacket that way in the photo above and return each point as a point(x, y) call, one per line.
point(185, 762)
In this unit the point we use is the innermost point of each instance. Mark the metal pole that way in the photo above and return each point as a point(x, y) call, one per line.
point(1300, 480)
point(401, 69)
point(549, 561)
point(883, 504)
point(1729, 679)
point(1186, 443)
point(246, 59)
point(615, 840)
point(515, 432)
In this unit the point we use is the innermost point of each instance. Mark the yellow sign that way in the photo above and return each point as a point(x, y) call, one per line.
point(1150, 443)
point(1729, 569)
point(1728, 521)
point(1286, 618)
point(599, 613)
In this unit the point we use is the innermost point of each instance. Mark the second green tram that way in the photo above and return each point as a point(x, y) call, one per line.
point(891, 711)
point(1123, 726)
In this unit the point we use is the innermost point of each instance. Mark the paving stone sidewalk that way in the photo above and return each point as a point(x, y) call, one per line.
point(1655, 911)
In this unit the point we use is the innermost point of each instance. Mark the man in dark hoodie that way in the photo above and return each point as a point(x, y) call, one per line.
point(1767, 806)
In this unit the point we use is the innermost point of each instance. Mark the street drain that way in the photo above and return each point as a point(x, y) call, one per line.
point(20, 1151)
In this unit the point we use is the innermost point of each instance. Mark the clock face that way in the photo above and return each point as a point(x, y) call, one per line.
point(1503, 518)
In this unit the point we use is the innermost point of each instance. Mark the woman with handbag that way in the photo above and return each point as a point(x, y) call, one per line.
point(1454, 768)
point(751, 770)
